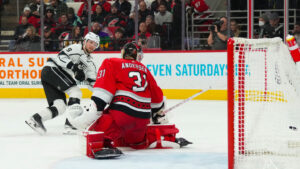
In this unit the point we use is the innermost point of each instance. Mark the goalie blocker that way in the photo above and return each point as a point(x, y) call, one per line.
point(97, 145)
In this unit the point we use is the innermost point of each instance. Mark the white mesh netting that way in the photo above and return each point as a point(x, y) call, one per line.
point(266, 105)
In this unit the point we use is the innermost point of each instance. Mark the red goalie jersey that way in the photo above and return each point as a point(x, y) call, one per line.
point(129, 86)
point(132, 93)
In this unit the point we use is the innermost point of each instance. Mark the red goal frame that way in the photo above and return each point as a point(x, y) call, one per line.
point(231, 95)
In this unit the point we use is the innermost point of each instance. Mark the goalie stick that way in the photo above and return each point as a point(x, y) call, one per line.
point(184, 101)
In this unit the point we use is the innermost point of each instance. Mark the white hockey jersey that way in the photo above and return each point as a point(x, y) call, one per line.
point(75, 54)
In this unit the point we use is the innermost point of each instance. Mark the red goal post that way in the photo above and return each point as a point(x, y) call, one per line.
point(263, 102)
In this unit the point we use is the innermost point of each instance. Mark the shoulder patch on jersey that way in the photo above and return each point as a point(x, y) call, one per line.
point(75, 49)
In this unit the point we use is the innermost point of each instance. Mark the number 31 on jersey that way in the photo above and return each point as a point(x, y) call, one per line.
point(138, 81)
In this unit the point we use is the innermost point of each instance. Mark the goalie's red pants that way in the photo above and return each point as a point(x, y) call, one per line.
point(129, 131)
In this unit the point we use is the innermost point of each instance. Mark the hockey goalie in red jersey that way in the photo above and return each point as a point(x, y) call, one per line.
point(134, 116)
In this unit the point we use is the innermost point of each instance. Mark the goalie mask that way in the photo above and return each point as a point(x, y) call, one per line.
point(131, 49)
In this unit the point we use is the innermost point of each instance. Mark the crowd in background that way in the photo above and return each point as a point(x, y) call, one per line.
point(159, 24)
point(113, 21)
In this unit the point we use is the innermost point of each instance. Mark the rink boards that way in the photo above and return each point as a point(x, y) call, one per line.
point(180, 74)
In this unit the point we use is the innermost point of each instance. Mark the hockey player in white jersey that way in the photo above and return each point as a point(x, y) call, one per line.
point(59, 76)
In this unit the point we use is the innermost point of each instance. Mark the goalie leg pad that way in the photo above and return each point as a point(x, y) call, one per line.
point(98, 146)
point(93, 142)
point(160, 135)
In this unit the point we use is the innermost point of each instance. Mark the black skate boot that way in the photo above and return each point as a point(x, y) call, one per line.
point(108, 153)
point(35, 122)
point(69, 129)
point(182, 142)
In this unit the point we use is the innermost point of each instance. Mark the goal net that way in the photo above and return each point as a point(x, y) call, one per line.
point(263, 105)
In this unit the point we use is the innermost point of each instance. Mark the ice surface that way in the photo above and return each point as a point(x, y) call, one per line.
point(202, 122)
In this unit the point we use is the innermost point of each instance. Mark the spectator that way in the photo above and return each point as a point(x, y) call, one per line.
point(163, 20)
point(49, 17)
point(163, 16)
point(34, 19)
point(150, 24)
point(30, 41)
point(277, 27)
point(21, 28)
point(96, 28)
point(143, 31)
point(105, 5)
point(26, 12)
point(296, 32)
point(142, 41)
point(50, 42)
point(235, 28)
point(123, 6)
point(217, 38)
point(82, 11)
point(35, 5)
point(154, 40)
point(114, 19)
point(59, 8)
point(155, 6)
point(199, 10)
point(99, 15)
point(197, 6)
point(76, 35)
point(73, 18)
point(19, 32)
point(63, 26)
point(104, 37)
point(73, 38)
point(265, 30)
point(118, 40)
point(143, 11)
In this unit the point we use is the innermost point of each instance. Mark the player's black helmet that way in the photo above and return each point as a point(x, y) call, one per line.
point(130, 49)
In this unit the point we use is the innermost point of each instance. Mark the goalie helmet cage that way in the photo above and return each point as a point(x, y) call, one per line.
point(263, 105)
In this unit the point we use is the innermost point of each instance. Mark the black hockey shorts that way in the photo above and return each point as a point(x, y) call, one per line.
point(55, 82)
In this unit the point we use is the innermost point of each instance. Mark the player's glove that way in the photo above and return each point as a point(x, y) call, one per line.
point(158, 118)
point(78, 72)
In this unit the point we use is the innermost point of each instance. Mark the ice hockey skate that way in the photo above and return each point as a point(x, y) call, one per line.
point(69, 129)
point(35, 122)
point(108, 153)
point(182, 142)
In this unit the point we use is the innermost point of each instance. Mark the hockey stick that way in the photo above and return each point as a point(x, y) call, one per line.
point(186, 100)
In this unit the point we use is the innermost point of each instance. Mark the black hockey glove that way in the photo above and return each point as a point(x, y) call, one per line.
point(159, 118)
point(156, 118)
point(78, 72)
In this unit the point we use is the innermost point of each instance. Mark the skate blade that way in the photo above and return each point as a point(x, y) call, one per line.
point(39, 131)
point(108, 154)
point(69, 132)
